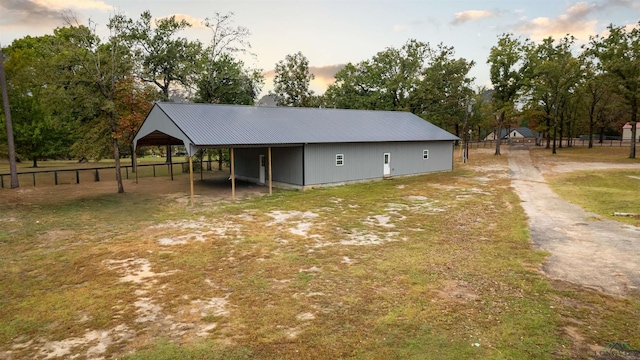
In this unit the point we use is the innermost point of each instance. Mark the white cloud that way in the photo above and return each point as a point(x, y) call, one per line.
point(73, 4)
point(470, 15)
point(400, 28)
point(42, 14)
point(578, 20)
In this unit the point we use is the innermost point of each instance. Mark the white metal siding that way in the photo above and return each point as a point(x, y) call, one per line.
point(365, 160)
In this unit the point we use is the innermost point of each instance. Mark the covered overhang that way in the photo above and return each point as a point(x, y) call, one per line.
point(159, 130)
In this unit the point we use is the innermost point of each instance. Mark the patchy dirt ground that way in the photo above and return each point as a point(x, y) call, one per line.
point(215, 186)
point(586, 252)
point(585, 248)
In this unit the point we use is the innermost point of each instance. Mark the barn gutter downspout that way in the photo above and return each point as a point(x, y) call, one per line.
point(270, 175)
point(233, 176)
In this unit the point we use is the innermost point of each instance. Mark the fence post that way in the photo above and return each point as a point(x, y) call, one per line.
point(96, 176)
point(77, 177)
point(154, 170)
point(126, 170)
point(2, 181)
point(55, 177)
point(34, 179)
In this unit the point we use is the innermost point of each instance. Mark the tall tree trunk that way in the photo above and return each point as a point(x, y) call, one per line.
point(116, 154)
point(499, 133)
point(35, 162)
point(601, 138)
point(561, 121)
point(634, 121)
point(134, 159)
point(548, 132)
point(168, 155)
point(555, 131)
point(7, 114)
point(569, 135)
point(592, 111)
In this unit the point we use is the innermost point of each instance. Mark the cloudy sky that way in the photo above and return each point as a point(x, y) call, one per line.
point(333, 32)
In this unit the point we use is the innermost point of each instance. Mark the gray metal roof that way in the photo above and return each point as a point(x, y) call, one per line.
point(526, 132)
point(207, 124)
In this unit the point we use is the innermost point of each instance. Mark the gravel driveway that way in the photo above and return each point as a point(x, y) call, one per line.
point(585, 248)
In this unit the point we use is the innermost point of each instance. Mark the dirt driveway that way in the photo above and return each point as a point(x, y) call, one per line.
point(585, 248)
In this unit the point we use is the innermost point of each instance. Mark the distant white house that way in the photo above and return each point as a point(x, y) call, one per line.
point(518, 135)
point(626, 131)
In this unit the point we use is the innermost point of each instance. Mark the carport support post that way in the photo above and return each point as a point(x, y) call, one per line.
point(233, 176)
point(191, 176)
point(270, 177)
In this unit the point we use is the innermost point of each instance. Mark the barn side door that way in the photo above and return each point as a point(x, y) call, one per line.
point(263, 167)
point(387, 165)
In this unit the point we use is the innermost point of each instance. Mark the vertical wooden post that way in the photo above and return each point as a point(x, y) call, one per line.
point(191, 176)
point(233, 176)
point(270, 177)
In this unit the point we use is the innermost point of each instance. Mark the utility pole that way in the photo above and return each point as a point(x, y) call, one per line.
point(7, 114)
point(466, 130)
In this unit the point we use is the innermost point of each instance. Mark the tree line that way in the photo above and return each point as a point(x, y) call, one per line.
point(553, 87)
point(76, 95)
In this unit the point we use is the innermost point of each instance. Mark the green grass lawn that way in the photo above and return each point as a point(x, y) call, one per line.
point(428, 267)
point(602, 192)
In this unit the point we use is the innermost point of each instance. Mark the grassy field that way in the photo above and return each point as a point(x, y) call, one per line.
point(427, 267)
point(603, 192)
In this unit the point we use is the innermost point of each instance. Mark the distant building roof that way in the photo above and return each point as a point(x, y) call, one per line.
point(219, 125)
point(526, 132)
point(628, 126)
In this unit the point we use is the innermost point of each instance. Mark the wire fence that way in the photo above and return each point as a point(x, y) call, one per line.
point(543, 142)
point(105, 173)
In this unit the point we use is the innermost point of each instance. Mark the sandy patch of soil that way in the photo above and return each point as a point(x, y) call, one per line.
point(457, 290)
point(197, 231)
point(93, 344)
point(300, 221)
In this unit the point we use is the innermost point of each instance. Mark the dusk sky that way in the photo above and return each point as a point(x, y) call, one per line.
point(331, 32)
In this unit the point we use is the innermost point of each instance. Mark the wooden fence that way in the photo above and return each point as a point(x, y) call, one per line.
point(75, 176)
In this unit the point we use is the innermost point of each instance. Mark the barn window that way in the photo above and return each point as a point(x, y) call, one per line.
point(339, 159)
point(425, 154)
